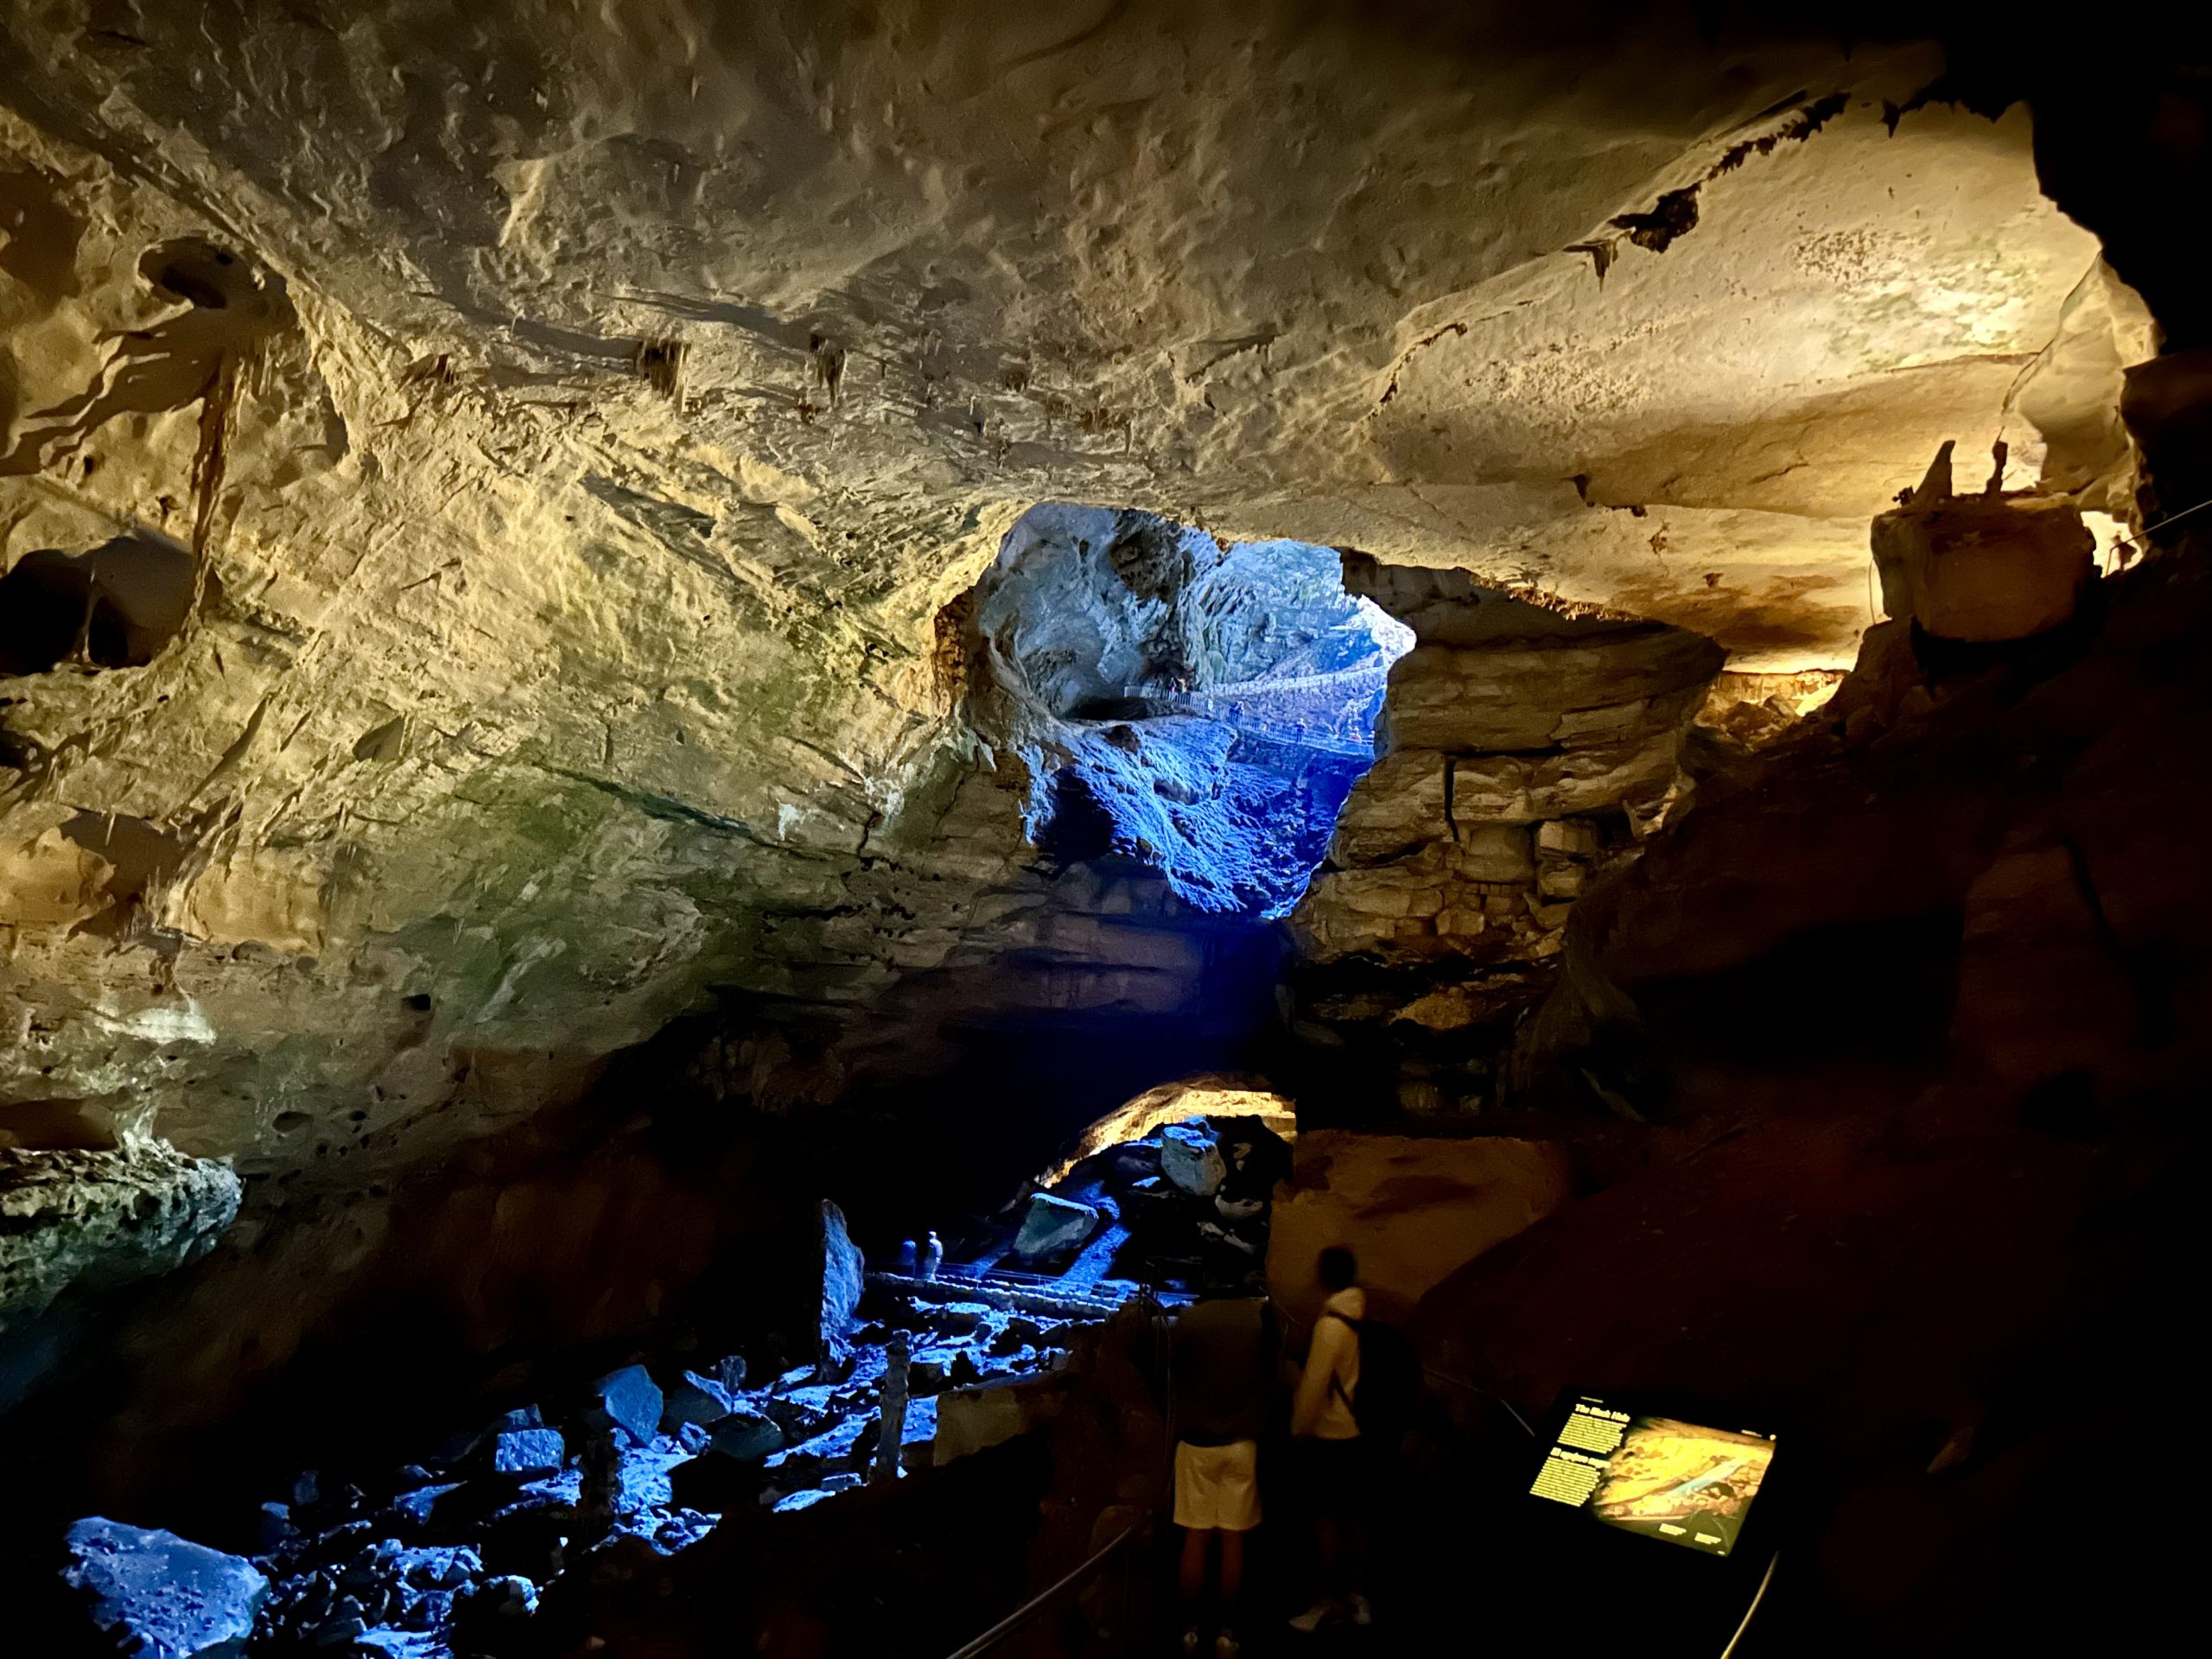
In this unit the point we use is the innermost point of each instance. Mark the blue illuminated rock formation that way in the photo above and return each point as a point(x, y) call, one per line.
point(158, 1595)
point(1203, 709)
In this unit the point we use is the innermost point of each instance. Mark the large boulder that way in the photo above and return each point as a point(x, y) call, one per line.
point(632, 1400)
point(1986, 567)
point(1412, 1211)
point(696, 1399)
point(1192, 1160)
point(1052, 1224)
point(160, 1596)
point(745, 1435)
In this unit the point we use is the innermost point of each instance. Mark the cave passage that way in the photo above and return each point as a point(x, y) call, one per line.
point(1206, 709)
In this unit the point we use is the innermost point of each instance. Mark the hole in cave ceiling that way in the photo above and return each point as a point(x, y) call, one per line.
point(1203, 709)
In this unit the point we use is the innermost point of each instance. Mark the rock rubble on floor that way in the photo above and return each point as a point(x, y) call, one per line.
point(435, 1558)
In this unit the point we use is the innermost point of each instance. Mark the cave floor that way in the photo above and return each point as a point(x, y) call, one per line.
point(415, 1563)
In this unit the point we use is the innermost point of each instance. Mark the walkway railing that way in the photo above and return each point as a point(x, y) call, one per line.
point(1044, 1600)
point(1066, 1588)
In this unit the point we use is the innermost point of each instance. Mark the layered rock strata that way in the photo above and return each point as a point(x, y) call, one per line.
point(1526, 750)
point(573, 423)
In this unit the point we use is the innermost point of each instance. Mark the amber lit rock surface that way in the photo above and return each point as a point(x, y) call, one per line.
point(1412, 1211)
point(591, 475)
point(492, 501)
point(1984, 567)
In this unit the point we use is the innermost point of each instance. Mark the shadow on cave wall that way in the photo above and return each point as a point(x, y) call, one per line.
point(1023, 1082)
point(113, 605)
point(347, 1331)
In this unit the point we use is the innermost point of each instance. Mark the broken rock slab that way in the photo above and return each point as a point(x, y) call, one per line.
point(695, 1399)
point(1052, 1224)
point(632, 1400)
point(156, 1594)
point(1191, 1158)
point(528, 1452)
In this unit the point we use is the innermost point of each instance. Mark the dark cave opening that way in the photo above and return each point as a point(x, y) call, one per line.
point(114, 605)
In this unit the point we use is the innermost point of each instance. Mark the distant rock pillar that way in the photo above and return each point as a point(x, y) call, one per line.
point(845, 1270)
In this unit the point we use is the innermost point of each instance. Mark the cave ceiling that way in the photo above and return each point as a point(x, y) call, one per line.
point(583, 423)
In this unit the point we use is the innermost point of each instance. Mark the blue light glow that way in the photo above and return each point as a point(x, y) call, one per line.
point(1205, 710)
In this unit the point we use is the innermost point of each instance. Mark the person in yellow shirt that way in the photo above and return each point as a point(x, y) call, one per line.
point(1324, 1424)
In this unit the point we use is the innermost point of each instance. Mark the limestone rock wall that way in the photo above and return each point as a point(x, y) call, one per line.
point(1917, 1002)
point(98, 1219)
point(597, 414)
point(506, 467)
point(1524, 747)
point(1412, 1211)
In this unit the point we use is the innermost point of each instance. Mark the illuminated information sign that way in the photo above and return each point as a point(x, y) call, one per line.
point(1679, 1482)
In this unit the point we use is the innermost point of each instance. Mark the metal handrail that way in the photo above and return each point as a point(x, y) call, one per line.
point(1022, 1615)
point(1751, 1612)
point(1491, 1395)
point(1037, 1604)
point(1428, 1371)
point(1029, 1610)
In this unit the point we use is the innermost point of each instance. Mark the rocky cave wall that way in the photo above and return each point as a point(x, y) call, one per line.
point(575, 434)
point(1523, 753)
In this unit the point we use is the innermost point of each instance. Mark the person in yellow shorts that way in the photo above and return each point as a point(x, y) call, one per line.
point(1224, 1355)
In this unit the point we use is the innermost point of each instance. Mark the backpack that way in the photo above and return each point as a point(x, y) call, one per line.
point(1389, 1382)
